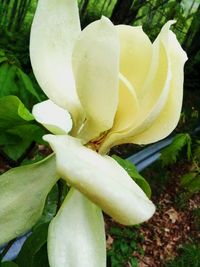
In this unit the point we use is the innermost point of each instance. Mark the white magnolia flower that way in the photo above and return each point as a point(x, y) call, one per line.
point(117, 87)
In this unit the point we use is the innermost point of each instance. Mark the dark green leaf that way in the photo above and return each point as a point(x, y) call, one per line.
point(2, 56)
point(187, 178)
point(8, 264)
point(26, 134)
point(27, 83)
point(30, 254)
point(7, 79)
point(191, 181)
point(134, 262)
point(13, 81)
point(170, 154)
point(132, 171)
point(41, 258)
point(13, 112)
point(50, 207)
point(17, 128)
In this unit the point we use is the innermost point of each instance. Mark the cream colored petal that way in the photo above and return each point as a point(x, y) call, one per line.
point(76, 235)
point(102, 180)
point(96, 70)
point(54, 31)
point(169, 117)
point(155, 92)
point(127, 110)
point(135, 55)
point(56, 119)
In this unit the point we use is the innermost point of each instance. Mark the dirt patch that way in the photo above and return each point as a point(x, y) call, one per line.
point(172, 225)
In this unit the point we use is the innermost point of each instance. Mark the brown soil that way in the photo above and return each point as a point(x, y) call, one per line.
point(172, 224)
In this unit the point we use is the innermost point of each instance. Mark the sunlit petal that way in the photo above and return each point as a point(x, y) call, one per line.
point(56, 119)
point(155, 92)
point(135, 55)
point(54, 31)
point(76, 235)
point(127, 110)
point(169, 117)
point(101, 179)
point(96, 69)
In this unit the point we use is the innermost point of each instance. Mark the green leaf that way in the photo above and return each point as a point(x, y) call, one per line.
point(41, 258)
point(187, 178)
point(13, 112)
point(7, 79)
point(50, 207)
point(28, 83)
point(2, 56)
point(13, 81)
point(23, 191)
point(170, 154)
point(17, 130)
point(33, 250)
point(25, 135)
point(194, 186)
point(8, 264)
point(132, 171)
point(191, 181)
point(134, 262)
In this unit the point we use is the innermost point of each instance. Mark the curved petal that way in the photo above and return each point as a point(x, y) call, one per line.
point(56, 119)
point(155, 92)
point(76, 235)
point(102, 180)
point(96, 70)
point(127, 110)
point(135, 55)
point(54, 31)
point(169, 117)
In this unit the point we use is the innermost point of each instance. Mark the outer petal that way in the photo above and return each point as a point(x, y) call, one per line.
point(56, 119)
point(55, 28)
point(23, 191)
point(135, 55)
point(169, 117)
point(76, 235)
point(96, 69)
point(155, 92)
point(102, 180)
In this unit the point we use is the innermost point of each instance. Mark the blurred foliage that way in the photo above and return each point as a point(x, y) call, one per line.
point(189, 256)
point(124, 244)
point(16, 17)
point(169, 155)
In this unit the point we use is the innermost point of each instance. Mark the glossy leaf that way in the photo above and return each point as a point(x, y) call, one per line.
point(13, 81)
point(13, 112)
point(17, 130)
point(50, 207)
point(132, 171)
